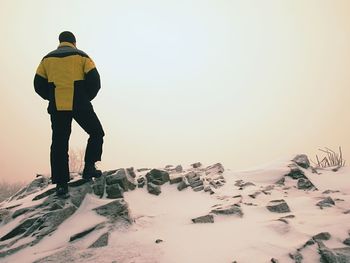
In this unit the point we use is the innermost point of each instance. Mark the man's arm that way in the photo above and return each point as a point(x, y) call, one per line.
point(41, 82)
point(92, 79)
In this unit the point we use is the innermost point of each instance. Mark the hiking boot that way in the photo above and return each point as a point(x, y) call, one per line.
point(62, 190)
point(90, 171)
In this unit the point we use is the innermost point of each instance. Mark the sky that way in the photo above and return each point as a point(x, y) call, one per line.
point(237, 82)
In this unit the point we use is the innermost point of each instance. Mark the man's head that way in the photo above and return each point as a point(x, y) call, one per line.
point(67, 36)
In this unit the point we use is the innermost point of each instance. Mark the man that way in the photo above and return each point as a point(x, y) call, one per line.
point(69, 80)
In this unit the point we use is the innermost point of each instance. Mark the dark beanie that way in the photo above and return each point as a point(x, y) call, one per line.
point(67, 36)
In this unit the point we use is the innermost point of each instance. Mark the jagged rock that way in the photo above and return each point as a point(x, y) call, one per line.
point(122, 178)
point(281, 181)
point(304, 183)
point(78, 194)
point(327, 202)
point(131, 172)
point(153, 189)
point(302, 160)
point(196, 165)
point(20, 229)
point(55, 206)
point(297, 256)
point(322, 236)
point(347, 241)
point(102, 241)
point(114, 191)
point(204, 219)
point(99, 186)
point(295, 172)
point(197, 183)
point(228, 210)
point(175, 178)
point(182, 185)
point(115, 210)
point(83, 233)
point(36, 185)
point(335, 255)
point(278, 206)
point(273, 260)
point(141, 182)
point(157, 177)
point(143, 169)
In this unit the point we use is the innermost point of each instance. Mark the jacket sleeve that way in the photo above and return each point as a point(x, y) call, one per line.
point(92, 79)
point(41, 82)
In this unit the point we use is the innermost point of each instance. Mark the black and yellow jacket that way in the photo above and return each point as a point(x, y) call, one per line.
point(67, 78)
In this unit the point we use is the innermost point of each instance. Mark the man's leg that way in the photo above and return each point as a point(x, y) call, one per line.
point(89, 121)
point(61, 130)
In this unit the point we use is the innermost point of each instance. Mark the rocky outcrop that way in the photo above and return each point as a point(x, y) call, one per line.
point(302, 160)
point(204, 219)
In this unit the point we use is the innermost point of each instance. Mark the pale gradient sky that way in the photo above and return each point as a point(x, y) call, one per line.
point(238, 82)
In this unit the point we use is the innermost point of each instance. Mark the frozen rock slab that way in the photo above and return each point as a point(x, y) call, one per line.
point(278, 206)
point(115, 210)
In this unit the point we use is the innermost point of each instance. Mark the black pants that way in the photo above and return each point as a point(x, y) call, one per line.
point(61, 122)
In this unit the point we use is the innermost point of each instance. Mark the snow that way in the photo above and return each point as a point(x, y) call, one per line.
point(256, 237)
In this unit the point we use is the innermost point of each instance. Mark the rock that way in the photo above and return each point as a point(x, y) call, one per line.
point(131, 172)
point(215, 169)
point(322, 236)
point(242, 184)
point(228, 210)
point(198, 188)
point(157, 177)
point(99, 186)
point(347, 241)
point(302, 160)
point(20, 229)
point(182, 185)
point(122, 178)
point(153, 189)
point(45, 194)
point(278, 206)
point(196, 165)
point(273, 260)
point(281, 181)
point(178, 169)
point(175, 178)
point(82, 234)
point(204, 219)
point(21, 211)
point(114, 191)
point(327, 202)
point(330, 191)
point(102, 241)
point(197, 183)
point(78, 194)
point(297, 256)
point(159, 241)
point(295, 172)
point(335, 255)
point(115, 210)
point(304, 183)
point(141, 182)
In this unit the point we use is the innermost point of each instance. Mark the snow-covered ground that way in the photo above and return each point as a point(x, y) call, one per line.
point(257, 236)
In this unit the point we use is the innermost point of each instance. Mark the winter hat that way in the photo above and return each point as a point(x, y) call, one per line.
point(67, 36)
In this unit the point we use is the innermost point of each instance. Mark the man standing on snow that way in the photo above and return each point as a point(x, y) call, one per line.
point(69, 80)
